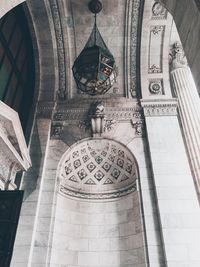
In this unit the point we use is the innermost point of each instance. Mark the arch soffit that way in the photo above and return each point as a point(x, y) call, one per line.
point(43, 35)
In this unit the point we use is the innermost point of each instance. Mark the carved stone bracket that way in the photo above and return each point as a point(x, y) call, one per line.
point(56, 130)
point(159, 108)
point(98, 120)
point(139, 127)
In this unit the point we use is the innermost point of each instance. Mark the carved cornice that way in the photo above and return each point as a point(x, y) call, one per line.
point(159, 107)
point(79, 110)
point(120, 114)
point(79, 113)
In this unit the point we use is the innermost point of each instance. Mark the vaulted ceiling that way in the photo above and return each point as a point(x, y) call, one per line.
point(137, 33)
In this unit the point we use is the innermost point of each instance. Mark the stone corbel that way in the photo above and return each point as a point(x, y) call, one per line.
point(98, 120)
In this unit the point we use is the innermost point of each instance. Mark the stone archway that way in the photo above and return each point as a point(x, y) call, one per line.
point(98, 218)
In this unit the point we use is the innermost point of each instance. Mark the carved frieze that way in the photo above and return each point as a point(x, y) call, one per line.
point(94, 118)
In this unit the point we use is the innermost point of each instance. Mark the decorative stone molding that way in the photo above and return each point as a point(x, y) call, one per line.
point(113, 113)
point(156, 87)
point(159, 107)
point(97, 169)
point(124, 111)
point(156, 40)
point(61, 93)
point(98, 196)
point(132, 15)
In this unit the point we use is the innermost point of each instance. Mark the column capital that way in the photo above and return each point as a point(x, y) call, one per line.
point(159, 107)
point(177, 56)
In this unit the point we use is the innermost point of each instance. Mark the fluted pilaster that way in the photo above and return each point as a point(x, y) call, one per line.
point(189, 109)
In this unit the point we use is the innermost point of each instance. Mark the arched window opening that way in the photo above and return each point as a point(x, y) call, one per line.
point(17, 73)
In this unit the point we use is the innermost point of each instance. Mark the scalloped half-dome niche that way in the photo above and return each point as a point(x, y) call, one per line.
point(97, 169)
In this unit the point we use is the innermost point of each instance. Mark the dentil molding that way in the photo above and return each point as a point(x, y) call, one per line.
point(164, 107)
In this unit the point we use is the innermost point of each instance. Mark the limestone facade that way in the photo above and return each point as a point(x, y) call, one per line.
point(114, 190)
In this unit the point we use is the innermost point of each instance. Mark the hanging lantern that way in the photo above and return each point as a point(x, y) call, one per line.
point(94, 69)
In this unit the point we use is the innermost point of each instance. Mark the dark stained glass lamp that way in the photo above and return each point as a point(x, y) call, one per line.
point(94, 69)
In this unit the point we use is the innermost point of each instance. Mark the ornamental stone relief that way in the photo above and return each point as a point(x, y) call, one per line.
point(158, 11)
point(98, 169)
point(156, 87)
point(61, 93)
point(95, 118)
point(156, 40)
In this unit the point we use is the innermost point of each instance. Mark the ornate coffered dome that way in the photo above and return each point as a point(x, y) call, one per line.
point(97, 169)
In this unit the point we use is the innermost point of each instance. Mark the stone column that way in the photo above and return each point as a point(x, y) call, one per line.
point(189, 108)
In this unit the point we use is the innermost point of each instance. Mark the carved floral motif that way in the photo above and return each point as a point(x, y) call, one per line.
point(156, 87)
